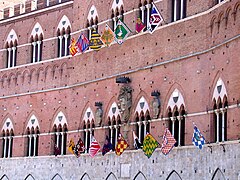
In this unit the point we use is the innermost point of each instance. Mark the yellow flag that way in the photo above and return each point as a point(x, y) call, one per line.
point(71, 146)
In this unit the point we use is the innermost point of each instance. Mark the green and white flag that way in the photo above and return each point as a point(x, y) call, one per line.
point(121, 32)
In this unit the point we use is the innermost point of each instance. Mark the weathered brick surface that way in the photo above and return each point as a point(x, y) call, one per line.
point(181, 57)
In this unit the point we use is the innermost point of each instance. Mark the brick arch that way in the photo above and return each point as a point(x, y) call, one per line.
point(19, 77)
point(213, 24)
point(26, 76)
point(235, 10)
point(29, 124)
point(62, 26)
point(227, 15)
point(64, 70)
point(174, 176)
point(7, 123)
point(48, 73)
point(220, 20)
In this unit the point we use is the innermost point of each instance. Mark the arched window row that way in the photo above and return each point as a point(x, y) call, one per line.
point(7, 143)
point(177, 124)
point(32, 141)
point(60, 137)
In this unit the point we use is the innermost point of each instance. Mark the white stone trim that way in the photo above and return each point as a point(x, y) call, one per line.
point(90, 117)
point(223, 92)
point(37, 30)
point(63, 121)
point(117, 5)
point(145, 107)
point(35, 124)
point(180, 101)
point(12, 36)
point(92, 15)
point(61, 24)
point(115, 114)
point(9, 127)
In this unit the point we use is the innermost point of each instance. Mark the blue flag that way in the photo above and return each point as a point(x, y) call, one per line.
point(82, 43)
point(155, 19)
point(198, 139)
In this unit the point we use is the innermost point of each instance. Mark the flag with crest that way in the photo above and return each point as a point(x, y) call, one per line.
point(95, 42)
point(168, 142)
point(73, 48)
point(71, 146)
point(82, 43)
point(121, 145)
point(94, 147)
point(79, 148)
point(108, 36)
point(139, 25)
point(107, 146)
point(137, 144)
point(198, 139)
point(149, 145)
point(121, 32)
point(155, 19)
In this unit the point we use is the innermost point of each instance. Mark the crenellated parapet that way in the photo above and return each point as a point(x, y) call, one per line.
point(27, 7)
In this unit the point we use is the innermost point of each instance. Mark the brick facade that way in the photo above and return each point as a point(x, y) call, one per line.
point(189, 55)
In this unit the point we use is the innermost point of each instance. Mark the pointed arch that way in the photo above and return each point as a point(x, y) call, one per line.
point(33, 122)
point(174, 176)
point(218, 175)
point(176, 100)
point(4, 177)
point(117, 4)
point(37, 30)
point(8, 125)
point(29, 177)
point(142, 106)
point(111, 176)
point(140, 176)
point(92, 14)
point(88, 115)
point(176, 116)
point(57, 177)
point(114, 111)
point(60, 119)
point(12, 37)
point(219, 90)
point(64, 23)
point(85, 176)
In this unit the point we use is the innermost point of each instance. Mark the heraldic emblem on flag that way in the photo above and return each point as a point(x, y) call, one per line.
point(155, 19)
point(139, 25)
point(94, 147)
point(79, 148)
point(82, 43)
point(198, 139)
point(95, 41)
point(121, 145)
point(149, 145)
point(71, 146)
point(168, 142)
point(121, 32)
point(108, 36)
point(73, 48)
